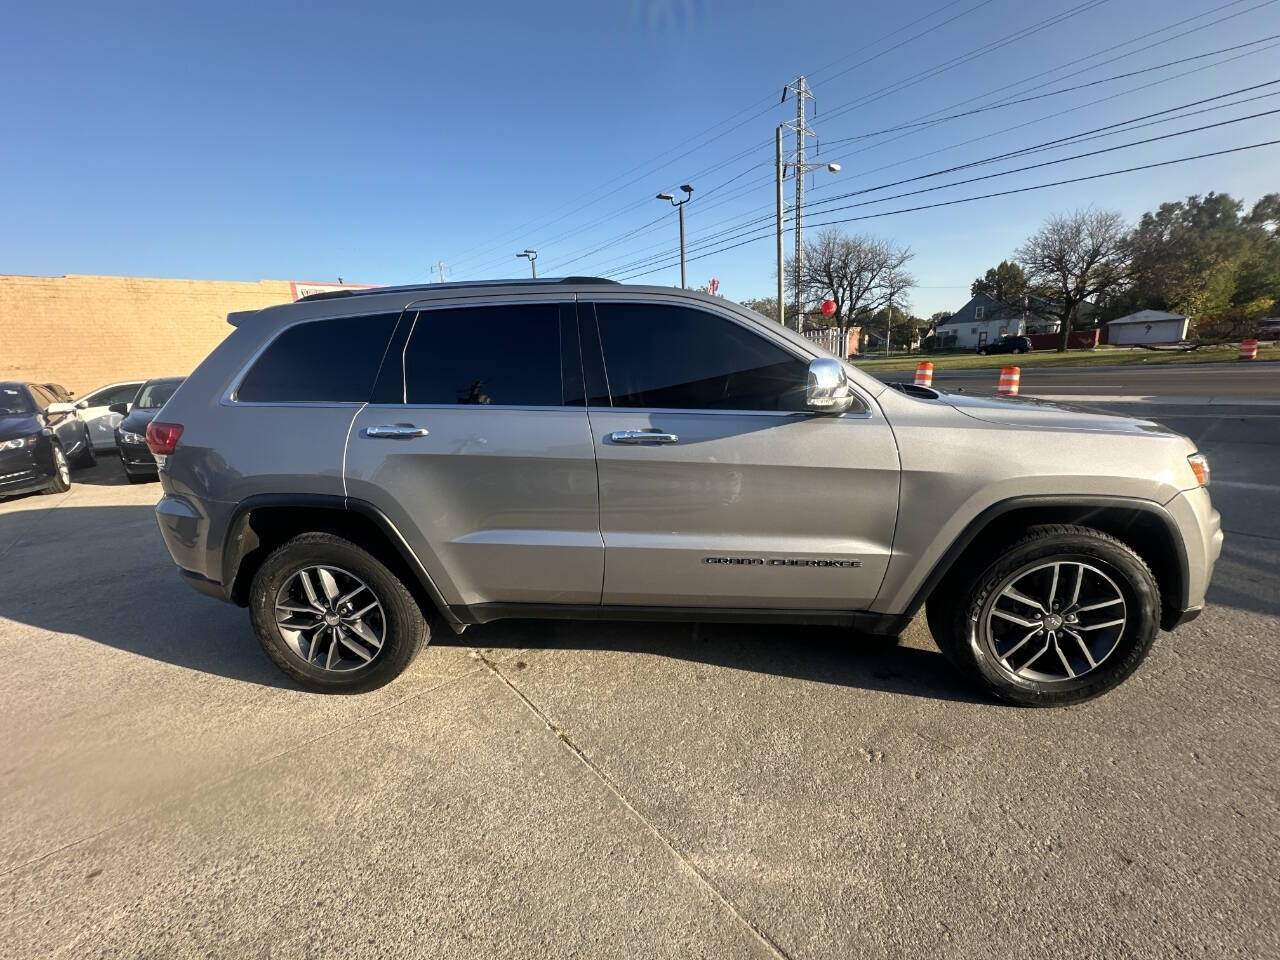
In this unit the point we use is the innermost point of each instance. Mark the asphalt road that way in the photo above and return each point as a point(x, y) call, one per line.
point(1161, 383)
point(622, 790)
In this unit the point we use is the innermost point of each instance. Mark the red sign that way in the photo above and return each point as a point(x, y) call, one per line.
point(828, 307)
point(713, 285)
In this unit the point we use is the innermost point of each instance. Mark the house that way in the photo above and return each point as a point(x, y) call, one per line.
point(982, 320)
point(1147, 327)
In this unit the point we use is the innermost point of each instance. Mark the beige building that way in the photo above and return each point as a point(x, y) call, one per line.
point(84, 331)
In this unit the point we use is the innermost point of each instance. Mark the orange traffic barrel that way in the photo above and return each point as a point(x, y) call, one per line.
point(1009, 379)
point(1248, 349)
point(924, 374)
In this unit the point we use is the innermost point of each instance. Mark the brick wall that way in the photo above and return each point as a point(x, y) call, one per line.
point(84, 331)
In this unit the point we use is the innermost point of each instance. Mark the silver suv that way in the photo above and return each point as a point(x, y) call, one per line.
point(354, 467)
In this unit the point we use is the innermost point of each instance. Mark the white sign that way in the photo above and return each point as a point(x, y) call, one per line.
point(301, 289)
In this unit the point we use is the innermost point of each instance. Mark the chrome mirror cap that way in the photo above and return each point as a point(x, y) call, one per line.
point(828, 389)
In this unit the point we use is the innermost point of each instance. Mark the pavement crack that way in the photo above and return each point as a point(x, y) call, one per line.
point(699, 875)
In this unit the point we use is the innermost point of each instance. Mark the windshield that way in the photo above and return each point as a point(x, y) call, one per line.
point(13, 400)
point(155, 395)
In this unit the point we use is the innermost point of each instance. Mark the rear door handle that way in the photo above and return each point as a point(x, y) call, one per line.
point(396, 431)
point(642, 436)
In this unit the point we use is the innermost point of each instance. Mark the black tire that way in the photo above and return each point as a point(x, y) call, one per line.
point(406, 632)
point(955, 613)
point(61, 473)
point(87, 457)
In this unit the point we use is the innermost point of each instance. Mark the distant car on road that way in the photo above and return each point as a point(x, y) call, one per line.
point(40, 436)
point(95, 411)
point(1006, 345)
point(131, 432)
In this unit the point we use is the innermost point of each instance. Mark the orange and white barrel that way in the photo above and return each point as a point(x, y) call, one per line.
point(1010, 377)
point(1248, 349)
point(924, 374)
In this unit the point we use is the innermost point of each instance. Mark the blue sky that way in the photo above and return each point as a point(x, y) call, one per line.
point(241, 141)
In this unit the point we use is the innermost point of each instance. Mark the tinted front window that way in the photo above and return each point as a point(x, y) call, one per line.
point(678, 357)
point(320, 361)
point(14, 400)
point(118, 395)
point(153, 396)
point(486, 355)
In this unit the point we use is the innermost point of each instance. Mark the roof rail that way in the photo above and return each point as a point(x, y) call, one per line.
point(413, 287)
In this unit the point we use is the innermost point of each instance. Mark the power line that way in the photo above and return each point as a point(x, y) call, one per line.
point(469, 255)
point(1013, 102)
point(985, 196)
point(1036, 147)
point(741, 228)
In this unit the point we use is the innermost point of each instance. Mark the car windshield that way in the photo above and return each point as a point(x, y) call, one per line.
point(13, 400)
point(155, 395)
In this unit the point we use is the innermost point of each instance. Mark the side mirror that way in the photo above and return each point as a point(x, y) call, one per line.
point(55, 409)
point(121, 408)
point(828, 390)
point(82, 405)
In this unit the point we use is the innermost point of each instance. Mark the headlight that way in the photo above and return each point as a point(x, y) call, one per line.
point(1200, 467)
point(20, 442)
point(127, 436)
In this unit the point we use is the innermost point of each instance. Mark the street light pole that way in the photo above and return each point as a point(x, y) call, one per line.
point(679, 205)
point(533, 260)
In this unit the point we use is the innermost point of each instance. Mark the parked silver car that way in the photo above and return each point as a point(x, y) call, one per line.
point(353, 467)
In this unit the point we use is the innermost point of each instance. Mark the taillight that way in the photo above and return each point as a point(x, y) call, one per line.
point(162, 438)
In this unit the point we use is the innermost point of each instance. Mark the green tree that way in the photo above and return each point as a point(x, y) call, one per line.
point(768, 306)
point(1204, 258)
point(1005, 282)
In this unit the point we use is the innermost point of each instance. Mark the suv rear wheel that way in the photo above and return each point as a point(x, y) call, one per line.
point(1059, 617)
point(333, 617)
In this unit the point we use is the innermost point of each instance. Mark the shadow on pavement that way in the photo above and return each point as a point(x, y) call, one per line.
point(821, 654)
point(102, 573)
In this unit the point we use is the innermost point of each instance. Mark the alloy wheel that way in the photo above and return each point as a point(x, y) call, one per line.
point(60, 464)
point(330, 618)
point(1053, 622)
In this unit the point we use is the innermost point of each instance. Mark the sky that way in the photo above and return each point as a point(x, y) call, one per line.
point(369, 142)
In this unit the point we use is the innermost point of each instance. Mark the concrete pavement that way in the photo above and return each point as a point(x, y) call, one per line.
point(601, 790)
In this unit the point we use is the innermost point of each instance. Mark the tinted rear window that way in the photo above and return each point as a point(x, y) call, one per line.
point(321, 361)
point(507, 355)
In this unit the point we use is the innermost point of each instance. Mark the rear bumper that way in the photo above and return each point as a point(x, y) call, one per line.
point(184, 527)
point(210, 588)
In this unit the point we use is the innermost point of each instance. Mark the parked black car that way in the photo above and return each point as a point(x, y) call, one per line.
point(40, 438)
point(1006, 345)
point(131, 433)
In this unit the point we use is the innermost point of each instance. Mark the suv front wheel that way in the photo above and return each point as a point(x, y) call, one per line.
point(1059, 617)
point(333, 617)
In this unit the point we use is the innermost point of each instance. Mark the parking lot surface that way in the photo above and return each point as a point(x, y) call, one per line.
point(622, 790)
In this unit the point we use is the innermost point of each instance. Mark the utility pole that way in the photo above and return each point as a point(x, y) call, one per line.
point(888, 327)
point(782, 284)
point(440, 267)
point(801, 89)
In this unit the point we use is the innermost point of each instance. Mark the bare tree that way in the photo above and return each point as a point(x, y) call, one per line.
point(1073, 258)
point(860, 273)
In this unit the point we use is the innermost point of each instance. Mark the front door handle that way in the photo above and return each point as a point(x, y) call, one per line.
point(396, 431)
point(642, 436)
